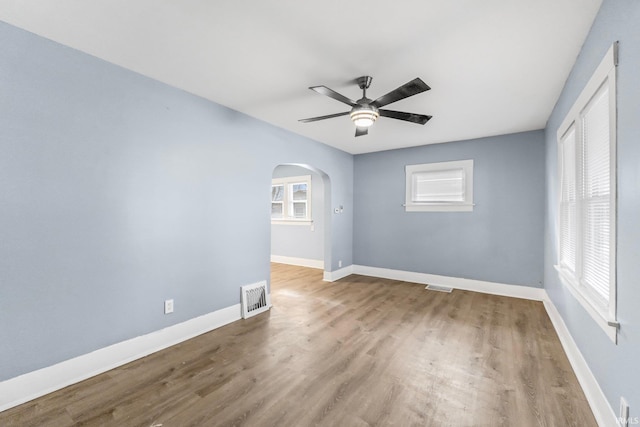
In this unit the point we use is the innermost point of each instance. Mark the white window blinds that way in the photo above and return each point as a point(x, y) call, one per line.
point(596, 198)
point(438, 186)
point(568, 220)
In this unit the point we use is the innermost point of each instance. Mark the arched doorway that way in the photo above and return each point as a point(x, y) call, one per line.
point(301, 216)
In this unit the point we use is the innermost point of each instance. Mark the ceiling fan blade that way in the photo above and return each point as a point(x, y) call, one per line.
point(414, 87)
point(407, 117)
point(330, 116)
point(323, 90)
point(361, 131)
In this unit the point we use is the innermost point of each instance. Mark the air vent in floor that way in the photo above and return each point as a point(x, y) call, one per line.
point(439, 288)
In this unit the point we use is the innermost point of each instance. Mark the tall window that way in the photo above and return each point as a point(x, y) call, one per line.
point(291, 199)
point(587, 205)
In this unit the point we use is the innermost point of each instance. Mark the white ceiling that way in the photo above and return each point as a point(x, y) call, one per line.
point(494, 66)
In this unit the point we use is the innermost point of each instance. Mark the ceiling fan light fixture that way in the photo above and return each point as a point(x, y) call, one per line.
point(364, 112)
point(364, 116)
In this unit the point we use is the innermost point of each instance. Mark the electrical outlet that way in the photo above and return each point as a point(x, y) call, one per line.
point(339, 263)
point(624, 412)
point(168, 306)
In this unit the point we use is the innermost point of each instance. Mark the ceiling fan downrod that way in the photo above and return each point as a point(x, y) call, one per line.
point(364, 82)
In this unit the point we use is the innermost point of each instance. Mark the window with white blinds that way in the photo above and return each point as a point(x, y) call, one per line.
point(596, 197)
point(444, 186)
point(568, 199)
point(587, 202)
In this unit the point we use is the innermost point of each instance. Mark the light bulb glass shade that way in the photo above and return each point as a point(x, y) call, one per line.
point(364, 117)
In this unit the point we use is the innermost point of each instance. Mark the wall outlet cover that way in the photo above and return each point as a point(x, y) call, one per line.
point(168, 306)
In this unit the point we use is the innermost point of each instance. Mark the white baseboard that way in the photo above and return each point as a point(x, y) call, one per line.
point(332, 276)
point(516, 291)
point(24, 388)
point(604, 414)
point(301, 262)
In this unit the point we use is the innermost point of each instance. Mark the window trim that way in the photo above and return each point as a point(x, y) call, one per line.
point(287, 181)
point(605, 317)
point(466, 206)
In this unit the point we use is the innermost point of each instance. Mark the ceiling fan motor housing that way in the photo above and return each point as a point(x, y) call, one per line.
point(364, 114)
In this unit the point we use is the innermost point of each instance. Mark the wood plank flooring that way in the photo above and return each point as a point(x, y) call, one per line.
point(357, 352)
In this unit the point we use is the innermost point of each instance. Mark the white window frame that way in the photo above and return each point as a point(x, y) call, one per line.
point(288, 183)
point(411, 205)
point(604, 315)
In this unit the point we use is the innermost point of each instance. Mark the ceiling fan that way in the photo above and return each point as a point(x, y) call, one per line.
point(364, 112)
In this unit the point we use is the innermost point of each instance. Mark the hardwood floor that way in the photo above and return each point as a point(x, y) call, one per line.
point(357, 352)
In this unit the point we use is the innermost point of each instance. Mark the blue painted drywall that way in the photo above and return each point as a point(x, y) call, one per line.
point(614, 366)
point(118, 192)
point(295, 240)
point(500, 241)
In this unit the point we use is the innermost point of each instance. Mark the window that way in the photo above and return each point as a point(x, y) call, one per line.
point(291, 199)
point(587, 197)
point(445, 186)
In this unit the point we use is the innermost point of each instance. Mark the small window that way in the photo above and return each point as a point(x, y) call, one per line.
point(291, 199)
point(445, 186)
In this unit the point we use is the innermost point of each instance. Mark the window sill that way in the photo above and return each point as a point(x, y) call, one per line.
point(610, 327)
point(439, 207)
point(291, 221)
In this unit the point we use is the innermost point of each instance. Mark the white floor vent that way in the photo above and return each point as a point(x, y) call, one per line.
point(439, 288)
point(255, 299)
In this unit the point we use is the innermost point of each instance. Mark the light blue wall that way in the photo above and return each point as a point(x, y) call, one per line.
point(614, 366)
point(500, 241)
point(301, 241)
point(118, 192)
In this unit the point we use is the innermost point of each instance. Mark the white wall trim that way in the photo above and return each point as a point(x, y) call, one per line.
point(29, 386)
point(301, 262)
point(516, 291)
point(332, 276)
point(602, 411)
